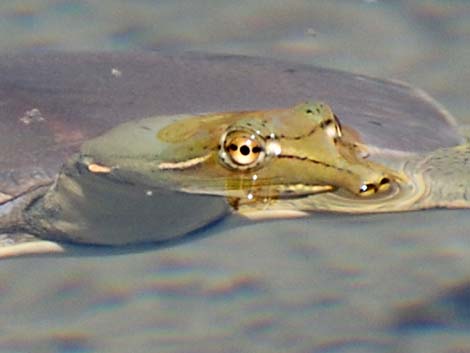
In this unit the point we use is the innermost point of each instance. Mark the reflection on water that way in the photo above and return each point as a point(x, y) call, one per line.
point(322, 284)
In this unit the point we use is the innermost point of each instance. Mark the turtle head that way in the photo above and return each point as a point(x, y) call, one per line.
point(250, 155)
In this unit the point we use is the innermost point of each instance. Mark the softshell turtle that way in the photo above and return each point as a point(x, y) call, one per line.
point(374, 146)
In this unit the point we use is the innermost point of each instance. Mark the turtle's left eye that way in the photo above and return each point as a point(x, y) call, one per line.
point(242, 149)
point(332, 127)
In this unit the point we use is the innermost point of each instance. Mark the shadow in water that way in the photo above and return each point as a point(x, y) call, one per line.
point(448, 310)
point(85, 250)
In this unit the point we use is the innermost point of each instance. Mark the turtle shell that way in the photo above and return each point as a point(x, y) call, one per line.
point(52, 102)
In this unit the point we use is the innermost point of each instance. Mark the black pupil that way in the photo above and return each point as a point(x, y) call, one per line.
point(245, 150)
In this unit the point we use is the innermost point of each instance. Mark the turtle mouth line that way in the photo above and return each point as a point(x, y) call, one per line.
point(296, 191)
point(314, 161)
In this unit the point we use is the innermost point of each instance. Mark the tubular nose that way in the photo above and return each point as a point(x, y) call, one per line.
point(371, 188)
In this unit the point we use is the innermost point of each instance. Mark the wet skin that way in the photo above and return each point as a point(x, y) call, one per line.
point(248, 157)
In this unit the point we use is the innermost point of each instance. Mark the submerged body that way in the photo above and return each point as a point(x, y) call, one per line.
point(162, 177)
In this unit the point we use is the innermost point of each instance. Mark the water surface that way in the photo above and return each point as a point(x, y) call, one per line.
point(328, 283)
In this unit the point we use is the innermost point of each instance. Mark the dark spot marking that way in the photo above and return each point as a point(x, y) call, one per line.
point(256, 149)
point(325, 123)
point(290, 71)
point(143, 127)
point(309, 111)
point(376, 123)
point(233, 147)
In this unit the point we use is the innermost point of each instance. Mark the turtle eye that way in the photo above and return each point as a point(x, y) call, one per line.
point(332, 127)
point(338, 128)
point(242, 149)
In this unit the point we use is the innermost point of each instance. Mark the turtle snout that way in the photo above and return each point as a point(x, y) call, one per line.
point(371, 188)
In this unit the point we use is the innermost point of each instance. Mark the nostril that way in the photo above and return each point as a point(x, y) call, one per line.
point(367, 189)
point(384, 184)
point(384, 181)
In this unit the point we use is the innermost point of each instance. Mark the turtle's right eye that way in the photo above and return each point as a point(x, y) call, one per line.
point(322, 115)
point(242, 149)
